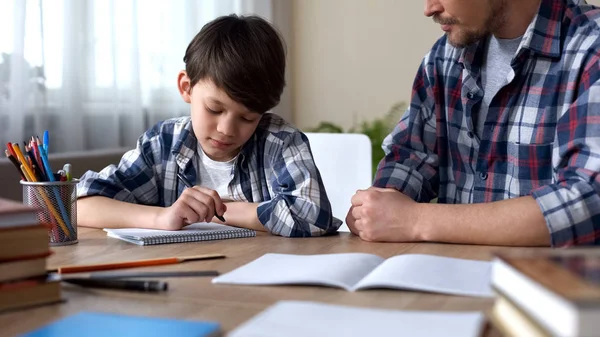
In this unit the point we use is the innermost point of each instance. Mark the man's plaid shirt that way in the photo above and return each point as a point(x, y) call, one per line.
point(542, 132)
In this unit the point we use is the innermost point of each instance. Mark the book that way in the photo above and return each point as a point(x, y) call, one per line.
point(23, 241)
point(24, 267)
point(28, 293)
point(96, 324)
point(15, 214)
point(512, 321)
point(201, 231)
point(560, 291)
point(357, 271)
point(297, 318)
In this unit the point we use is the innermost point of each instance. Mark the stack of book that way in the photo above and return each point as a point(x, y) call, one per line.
point(24, 249)
point(551, 294)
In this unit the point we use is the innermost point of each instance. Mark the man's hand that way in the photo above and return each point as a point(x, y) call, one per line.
point(196, 204)
point(383, 214)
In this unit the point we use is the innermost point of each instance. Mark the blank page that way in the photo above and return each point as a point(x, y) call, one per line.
point(339, 270)
point(432, 273)
point(299, 319)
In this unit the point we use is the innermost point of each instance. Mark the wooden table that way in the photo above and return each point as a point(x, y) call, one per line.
point(198, 299)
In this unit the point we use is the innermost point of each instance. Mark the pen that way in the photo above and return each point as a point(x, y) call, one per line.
point(189, 185)
point(46, 141)
point(136, 285)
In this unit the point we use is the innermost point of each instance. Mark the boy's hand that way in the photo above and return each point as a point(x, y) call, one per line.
point(196, 204)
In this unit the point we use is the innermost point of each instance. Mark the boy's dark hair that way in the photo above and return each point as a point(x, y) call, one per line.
point(242, 55)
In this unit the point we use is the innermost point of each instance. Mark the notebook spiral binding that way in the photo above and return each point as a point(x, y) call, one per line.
point(218, 235)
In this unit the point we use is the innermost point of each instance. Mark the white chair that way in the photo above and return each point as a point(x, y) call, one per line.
point(344, 161)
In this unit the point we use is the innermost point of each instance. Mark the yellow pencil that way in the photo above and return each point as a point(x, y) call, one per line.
point(23, 161)
point(26, 173)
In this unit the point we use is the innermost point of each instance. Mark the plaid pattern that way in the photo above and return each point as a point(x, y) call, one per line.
point(275, 168)
point(541, 135)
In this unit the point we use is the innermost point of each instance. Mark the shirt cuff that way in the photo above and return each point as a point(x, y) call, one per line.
point(402, 179)
point(567, 219)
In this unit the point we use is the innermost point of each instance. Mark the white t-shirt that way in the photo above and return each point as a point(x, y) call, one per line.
point(215, 175)
point(495, 73)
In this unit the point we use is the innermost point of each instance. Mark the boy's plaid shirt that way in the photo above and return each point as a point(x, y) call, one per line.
point(275, 168)
point(542, 131)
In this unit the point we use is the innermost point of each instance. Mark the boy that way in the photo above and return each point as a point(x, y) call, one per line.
point(249, 167)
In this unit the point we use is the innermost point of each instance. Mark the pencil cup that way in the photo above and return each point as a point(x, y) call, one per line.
point(57, 206)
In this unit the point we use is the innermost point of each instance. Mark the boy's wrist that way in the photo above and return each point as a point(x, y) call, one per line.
point(155, 217)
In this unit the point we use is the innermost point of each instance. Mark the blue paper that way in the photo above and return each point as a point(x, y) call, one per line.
point(94, 324)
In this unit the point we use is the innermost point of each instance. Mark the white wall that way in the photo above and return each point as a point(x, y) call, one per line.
point(353, 59)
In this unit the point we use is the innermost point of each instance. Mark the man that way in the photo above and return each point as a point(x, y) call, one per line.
point(503, 128)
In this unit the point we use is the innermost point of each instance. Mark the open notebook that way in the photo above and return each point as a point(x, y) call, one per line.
point(201, 231)
point(296, 319)
point(356, 271)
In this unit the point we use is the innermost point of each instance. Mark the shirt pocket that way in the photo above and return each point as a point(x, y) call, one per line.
point(529, 167)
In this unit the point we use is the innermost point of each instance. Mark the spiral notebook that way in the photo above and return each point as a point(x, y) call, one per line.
point(202, 231)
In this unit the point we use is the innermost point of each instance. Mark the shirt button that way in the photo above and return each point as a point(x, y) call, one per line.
point(483, 175)
point(470, 95)
point(470, 134)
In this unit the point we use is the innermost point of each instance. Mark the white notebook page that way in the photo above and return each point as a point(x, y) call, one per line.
point(300, 319)
point(432, 273)
point(340, 270)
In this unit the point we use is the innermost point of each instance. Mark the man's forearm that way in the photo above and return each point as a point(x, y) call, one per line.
point(102, 212)
point(513, 222)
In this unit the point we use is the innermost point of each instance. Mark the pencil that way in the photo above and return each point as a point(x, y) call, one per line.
point(131, 264)
point(189, 185)
point(15, 162)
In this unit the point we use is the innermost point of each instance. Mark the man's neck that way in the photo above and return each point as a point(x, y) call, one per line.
point(519, 14)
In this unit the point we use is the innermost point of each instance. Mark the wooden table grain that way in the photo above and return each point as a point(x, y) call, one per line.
point(198, 299)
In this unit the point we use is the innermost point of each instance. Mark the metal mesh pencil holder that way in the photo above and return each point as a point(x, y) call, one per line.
point(57, 206)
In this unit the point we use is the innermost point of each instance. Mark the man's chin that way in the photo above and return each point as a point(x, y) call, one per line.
point(455, 44)
point(461, 42)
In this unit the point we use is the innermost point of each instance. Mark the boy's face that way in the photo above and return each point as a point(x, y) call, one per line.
point(467, 21)
point(221, 125)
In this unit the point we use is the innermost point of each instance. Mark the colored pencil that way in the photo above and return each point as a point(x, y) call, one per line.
point(131, 264)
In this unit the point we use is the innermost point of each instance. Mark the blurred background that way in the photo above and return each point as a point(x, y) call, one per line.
point(98, 73)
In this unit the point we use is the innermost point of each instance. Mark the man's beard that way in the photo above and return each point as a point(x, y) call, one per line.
point(462, 39)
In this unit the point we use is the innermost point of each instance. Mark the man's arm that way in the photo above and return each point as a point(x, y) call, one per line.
point(380, 214)
point(568, 210)
point(411, 162)
point(512, 222)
